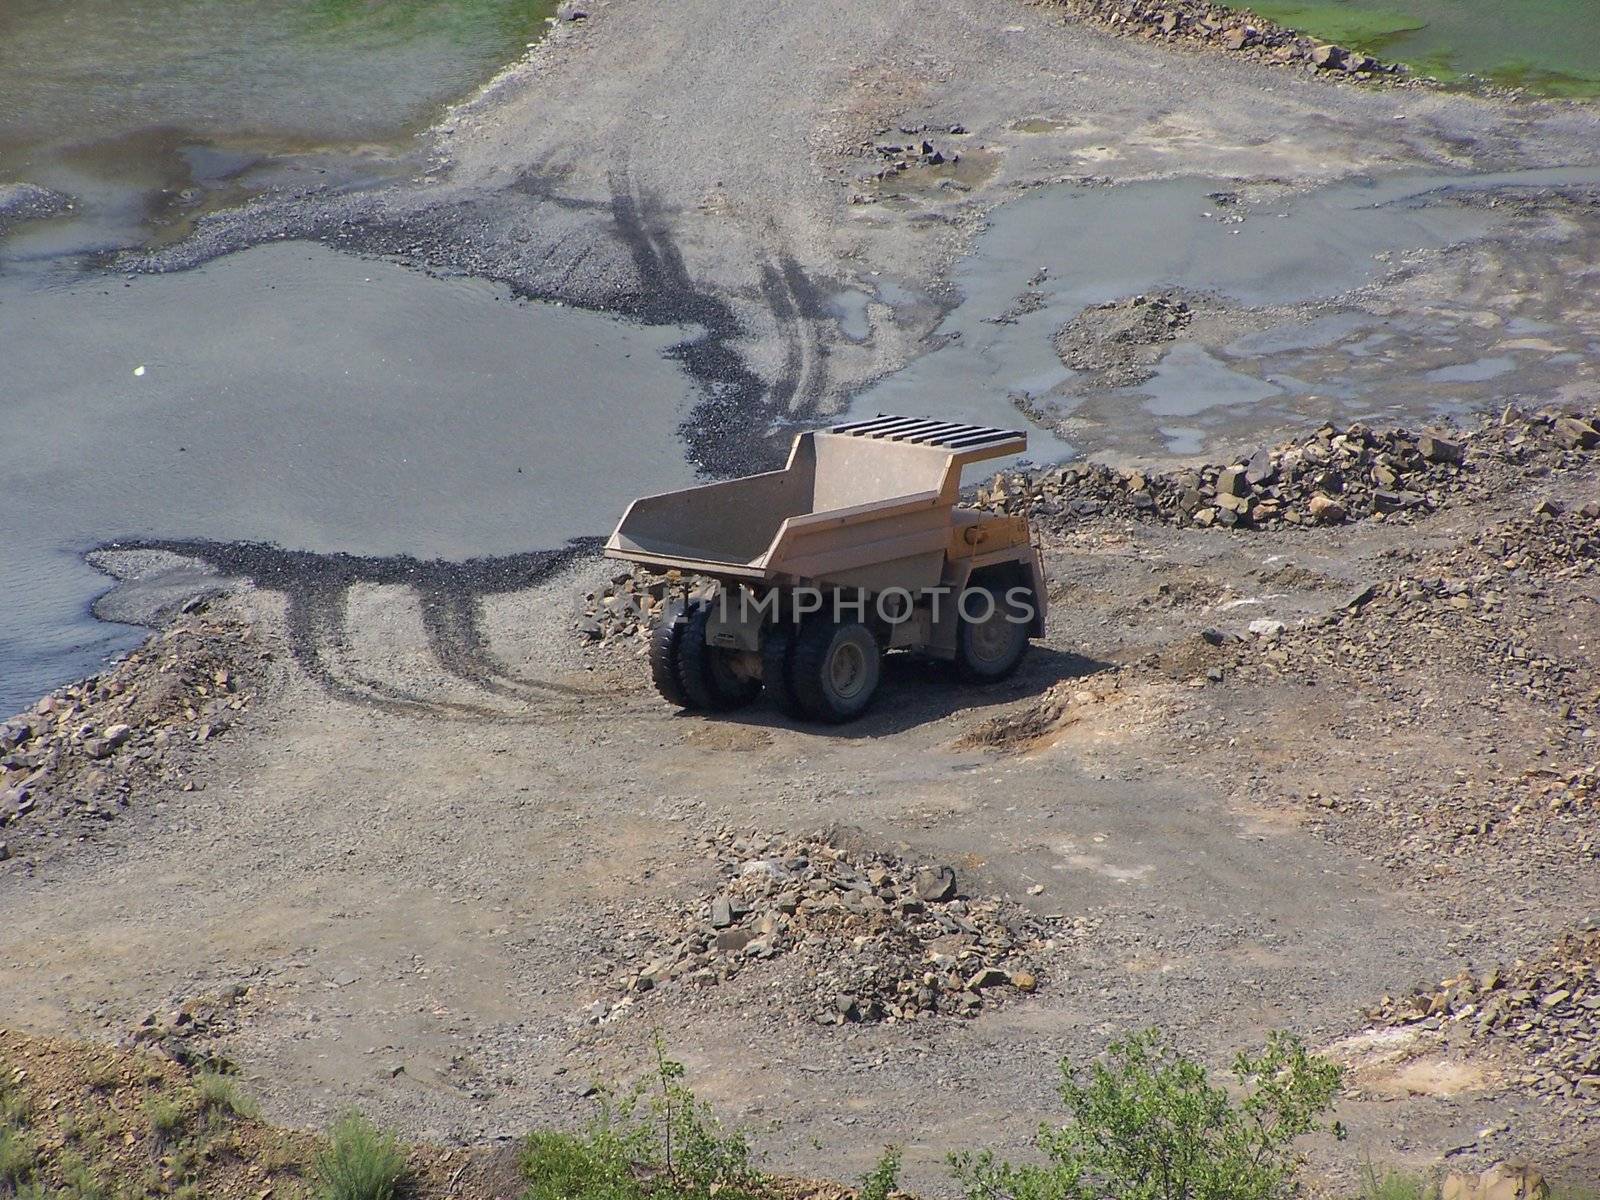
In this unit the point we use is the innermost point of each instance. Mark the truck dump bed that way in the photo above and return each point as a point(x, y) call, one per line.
point(865, 504)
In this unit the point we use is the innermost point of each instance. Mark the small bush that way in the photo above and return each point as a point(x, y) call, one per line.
point(167, 1117)
point(1395, 1185)
point(360, 1163)
point(1149, 1125)
point(656, 1140)
point(220, 1097)
point(564, 1166)
point(884, 1178)
point(16, 1158)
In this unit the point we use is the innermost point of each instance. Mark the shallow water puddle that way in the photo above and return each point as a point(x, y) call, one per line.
point(297, 395)
point(1046, 257)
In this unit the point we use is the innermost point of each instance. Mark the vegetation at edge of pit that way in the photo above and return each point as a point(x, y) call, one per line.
point(655, 1140)
point(1147, 1124)
point(360, 1162)
point(178, 1133)
point(1373, 31)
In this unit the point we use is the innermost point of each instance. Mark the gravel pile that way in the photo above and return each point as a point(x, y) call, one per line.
point(1547, 1009)
point(1333, 476)
point(1119, 342)
point(83, 751)
point(189, 1032)
point(628, 607)
point(861, 935)
point(1200, 22)
point(1482, 612)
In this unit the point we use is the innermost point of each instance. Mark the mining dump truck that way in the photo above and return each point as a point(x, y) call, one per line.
point(855, 548)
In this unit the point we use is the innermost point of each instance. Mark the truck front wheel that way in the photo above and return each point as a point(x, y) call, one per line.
point(991, 644)
point(835, 669)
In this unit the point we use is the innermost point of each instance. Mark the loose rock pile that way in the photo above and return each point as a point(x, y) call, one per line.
point(1328, 478)
point(870, 936)
point(1548, 1009)
point(918, 152)
point(1198, 21)
point(189, 1032)
point(1117, 341)
point(82, 752)
point(631, 603)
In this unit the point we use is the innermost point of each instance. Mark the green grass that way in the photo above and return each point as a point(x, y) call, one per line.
point(167, 1117)
point(1396, 1185)
point(220, 1098)
point(16, 1158)
point(361, 1162)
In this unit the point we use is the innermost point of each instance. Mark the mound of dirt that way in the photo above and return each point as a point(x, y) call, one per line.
point(1118, 343)
point(85, 750)
point(861, 934)
point(1547, 1010)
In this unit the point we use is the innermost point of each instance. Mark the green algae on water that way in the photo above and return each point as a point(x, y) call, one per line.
point(1366, 29)
point(1550, 47)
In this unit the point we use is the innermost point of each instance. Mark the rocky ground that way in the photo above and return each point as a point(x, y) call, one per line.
point(1253, 778)
point(1312, 725)
point(851, 933)
point(87, 751)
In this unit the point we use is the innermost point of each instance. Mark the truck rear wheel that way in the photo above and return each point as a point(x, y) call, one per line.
point(777, 669)
point(989, 649)
point(835, 670)
point(706, 673)
point(665, 644)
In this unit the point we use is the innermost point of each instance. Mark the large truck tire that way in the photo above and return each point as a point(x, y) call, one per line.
point(777, 669)
point(705, 672)
point(989, 650)
point(835, 669)
point(665, 645)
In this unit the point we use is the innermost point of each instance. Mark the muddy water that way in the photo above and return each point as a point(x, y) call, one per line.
point(297, 395)
point(1045, 258)
point(151, 111)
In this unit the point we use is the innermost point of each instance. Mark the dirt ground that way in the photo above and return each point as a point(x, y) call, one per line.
point(433, 842)
point(430, 872)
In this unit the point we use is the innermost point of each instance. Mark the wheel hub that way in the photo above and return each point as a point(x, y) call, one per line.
point(847, 670)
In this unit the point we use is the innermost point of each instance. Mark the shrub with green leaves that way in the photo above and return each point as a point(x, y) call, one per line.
point(656, 1140)
point(1148, 1124)
point(884, 1178)
point(361, 1162)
